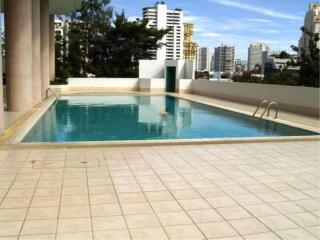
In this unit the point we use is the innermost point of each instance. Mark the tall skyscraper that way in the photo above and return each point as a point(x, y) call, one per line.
point(161, 17)
point(224, 58)
point(189, 46)
point(204, 59)
point(311, 23)
point(255, 54)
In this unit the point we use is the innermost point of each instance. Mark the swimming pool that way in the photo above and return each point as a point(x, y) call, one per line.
point(77, 118)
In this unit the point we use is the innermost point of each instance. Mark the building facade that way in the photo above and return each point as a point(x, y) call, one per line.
point(189, 46)
point(224, 59)
point(311, 23)
point(204, 59)
point(160, 17)
point(255, 53)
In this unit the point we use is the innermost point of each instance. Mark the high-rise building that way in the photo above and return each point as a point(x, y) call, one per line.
point(160, 17)
point(224, 58)
point(189, 46)
point(255, 54)
point(204, 59)
point(311, 23)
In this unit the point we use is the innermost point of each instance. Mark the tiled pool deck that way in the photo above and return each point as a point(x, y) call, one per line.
point(259, 191)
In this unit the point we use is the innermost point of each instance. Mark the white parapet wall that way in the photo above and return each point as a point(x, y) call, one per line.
point(99, 84)
point(292, 98)
point(152, 85)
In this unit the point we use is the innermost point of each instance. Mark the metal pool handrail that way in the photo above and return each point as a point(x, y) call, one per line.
point(268, 109)
point(50, 89)
point(259, 106)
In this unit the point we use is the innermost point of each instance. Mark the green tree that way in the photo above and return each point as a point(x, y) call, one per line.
point(61, 62)
point(103, 45)
point(309, 61)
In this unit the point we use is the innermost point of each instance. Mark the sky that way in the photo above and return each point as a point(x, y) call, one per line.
point(234, 22)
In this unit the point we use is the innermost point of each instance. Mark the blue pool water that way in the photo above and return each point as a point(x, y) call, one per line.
point(136, 117)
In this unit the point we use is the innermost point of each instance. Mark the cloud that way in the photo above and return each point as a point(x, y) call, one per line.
point(252, 8)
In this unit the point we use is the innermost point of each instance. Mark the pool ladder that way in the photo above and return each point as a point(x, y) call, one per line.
point(54, 93)
point(267, 104)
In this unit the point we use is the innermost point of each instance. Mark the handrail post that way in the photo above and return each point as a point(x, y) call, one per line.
point(259, 106)
point(50, 89)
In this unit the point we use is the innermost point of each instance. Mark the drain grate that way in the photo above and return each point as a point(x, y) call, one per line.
point(84, 162)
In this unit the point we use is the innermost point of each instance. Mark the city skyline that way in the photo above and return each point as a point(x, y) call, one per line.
point(235, 22)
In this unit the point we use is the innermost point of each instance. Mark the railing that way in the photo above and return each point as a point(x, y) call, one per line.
point(54, 93)
point(267, 108)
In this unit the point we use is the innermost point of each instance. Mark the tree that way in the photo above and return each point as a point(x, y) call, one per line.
point(103, 45)
point(309, 60)
point(282, 55)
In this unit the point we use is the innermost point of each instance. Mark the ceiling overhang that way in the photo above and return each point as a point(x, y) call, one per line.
point(58, 6)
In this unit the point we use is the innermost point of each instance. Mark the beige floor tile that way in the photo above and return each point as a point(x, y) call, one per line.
point(75, 200)
point(271, 197)
point(10, 228)
point(38, 237)
point(231, 213)
point(304, 219)
point(75, 236)
point(159, 196)
point(105, 210)
point(295, 234)
point(185, 194)
point(131, 197)
point(183, 232)
point(136, 208)
point(315, 230)
point(148, 233)
point(309, 205)
point(142, 221)
point(42, 213)
point(74, 212)
point(194, 204)
point(112, 234)
point(21, 202)
point(99, 199)
point(287, 207)
point(261, 210)
point(74, 225)
point(205, 216)
point(262, 236)
point(219, 202)
point(108, 223)
point(248, 226)
point(210, 192)
point(165, 206)
point(278, 222)
point(294, 195)
point(217, 229)
point(248, 199)
point(33, 227)
point(14, 214)
point(174, 218)
point(52, 201)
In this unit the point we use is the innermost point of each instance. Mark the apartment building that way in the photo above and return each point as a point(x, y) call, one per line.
point(189, 46)
point(311, 23)
point(224, 58)
point(255, 54)
point(204, 59)
point(161, 17)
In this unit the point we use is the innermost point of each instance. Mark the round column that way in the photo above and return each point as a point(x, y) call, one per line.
point(45, 61)
point(18, 43)
point(52, 48)
point(36, 52)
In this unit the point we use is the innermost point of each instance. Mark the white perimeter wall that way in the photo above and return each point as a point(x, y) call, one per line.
point(297, 99)
point(151, 68)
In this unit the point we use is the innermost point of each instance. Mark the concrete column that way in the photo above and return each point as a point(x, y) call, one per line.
point(36, 52)
point(18, 30)
point(2, 127)
point(45, 60)
point(52, 49)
